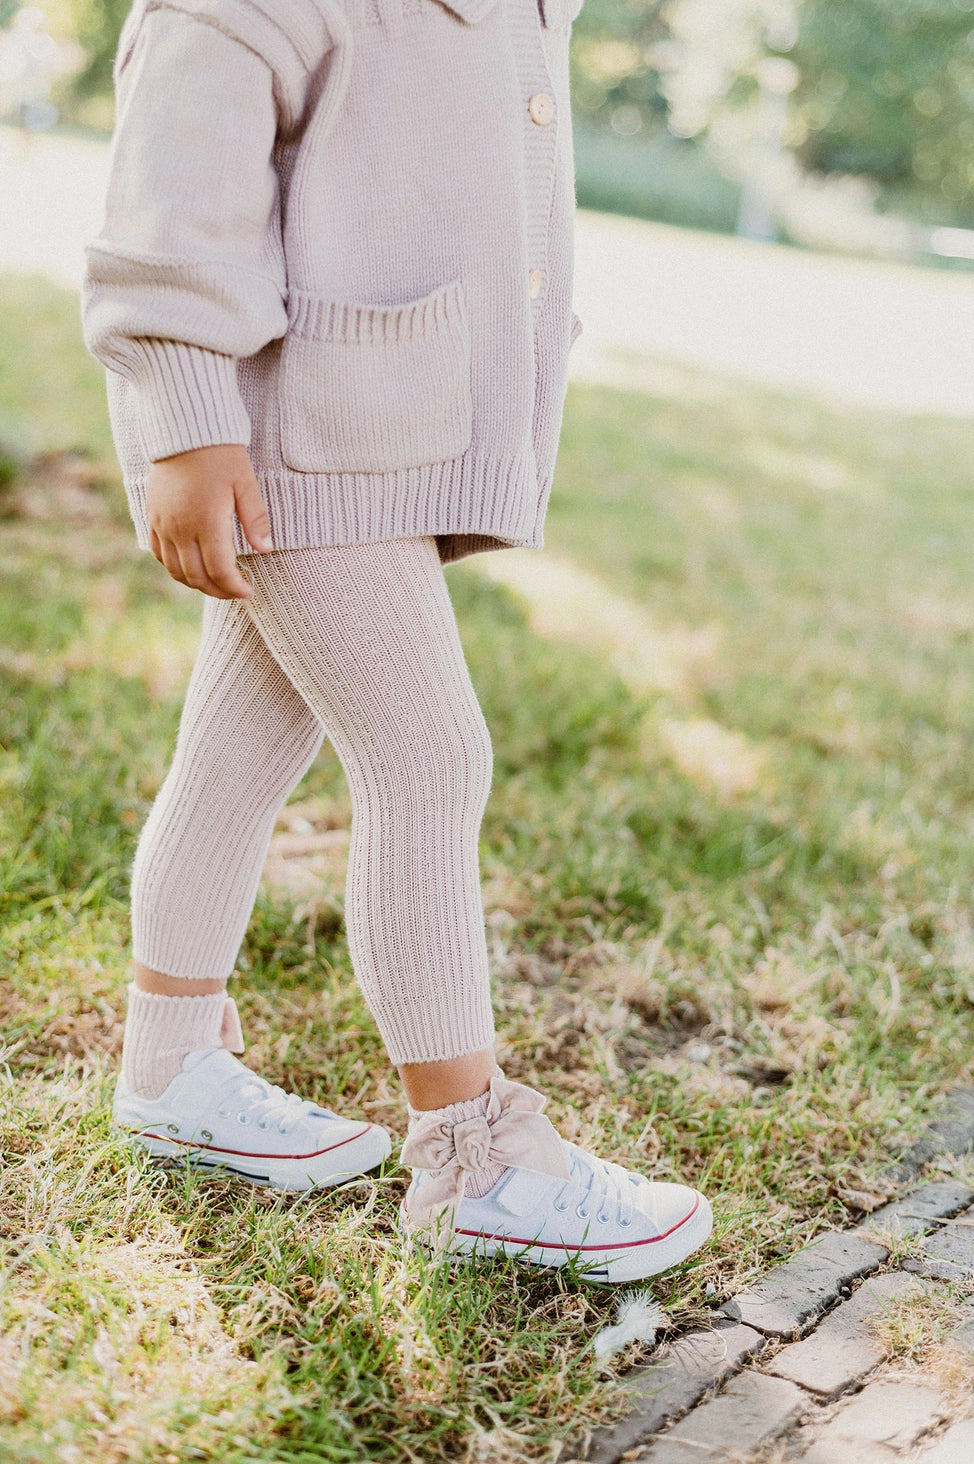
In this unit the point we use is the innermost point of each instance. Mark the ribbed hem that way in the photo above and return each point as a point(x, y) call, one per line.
point(454, 1112)
point(336, 320)
point(489, 502)
point(187, 397)
point(461, 1026)
point(159, 943)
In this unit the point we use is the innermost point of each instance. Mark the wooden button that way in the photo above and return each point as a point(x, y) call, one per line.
point(541, 108)
point(534, 283)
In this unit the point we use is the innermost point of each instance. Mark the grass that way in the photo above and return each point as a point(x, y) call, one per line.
point(727, 887)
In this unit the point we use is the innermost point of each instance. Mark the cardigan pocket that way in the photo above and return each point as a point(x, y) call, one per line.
point(373, 388)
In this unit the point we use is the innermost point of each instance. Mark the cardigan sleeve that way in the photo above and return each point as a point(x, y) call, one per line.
point(187, 273)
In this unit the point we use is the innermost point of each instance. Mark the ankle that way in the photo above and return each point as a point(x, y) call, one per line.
point(160, 984)
point(434, 1085)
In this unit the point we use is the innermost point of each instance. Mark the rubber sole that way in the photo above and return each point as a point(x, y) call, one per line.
point(632, 1261)
point(346, 1160)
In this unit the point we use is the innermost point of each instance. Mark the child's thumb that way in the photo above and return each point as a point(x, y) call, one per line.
point(252, 513)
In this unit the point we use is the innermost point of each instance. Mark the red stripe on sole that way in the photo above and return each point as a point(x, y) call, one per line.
point(244, 1153)
point(560, 1244)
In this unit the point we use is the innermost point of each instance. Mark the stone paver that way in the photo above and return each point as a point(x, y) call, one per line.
point(956, 1446)
point(954, 1243)
point(917, 1213)
point(831, 1348)
point(683, 1372)
point(789, 1299)
point(879, 1423)
point(950, 1133)
point(964, 1337)
point(949, 1251)
point(933, 1269)
point(842, 1349)
point(752, 1410)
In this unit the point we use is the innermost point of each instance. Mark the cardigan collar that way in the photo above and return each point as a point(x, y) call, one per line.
point(473, 11)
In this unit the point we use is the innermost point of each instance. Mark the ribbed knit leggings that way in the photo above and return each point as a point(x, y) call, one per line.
point(359, 643)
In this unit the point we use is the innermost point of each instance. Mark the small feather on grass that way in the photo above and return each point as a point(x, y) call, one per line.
point(638, 1319)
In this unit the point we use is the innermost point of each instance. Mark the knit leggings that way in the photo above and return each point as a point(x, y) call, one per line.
point(360, 643)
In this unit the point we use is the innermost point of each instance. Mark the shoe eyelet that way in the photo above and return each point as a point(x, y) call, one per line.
point(173, 1128)
point(560, 1208)
point(262, 1124)
point(625, 1224)
point(582, 1214)
point(241, 1118)
point(223, 1113)
point(206, 1136)
point(603, 1219)
point(282, 1131)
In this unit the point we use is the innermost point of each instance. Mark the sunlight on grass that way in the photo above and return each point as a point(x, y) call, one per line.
point(726, 860)
point(566, 602)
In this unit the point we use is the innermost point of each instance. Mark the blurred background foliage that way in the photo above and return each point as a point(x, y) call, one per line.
point(96, 25)
point(887, 89)
point(678, 113)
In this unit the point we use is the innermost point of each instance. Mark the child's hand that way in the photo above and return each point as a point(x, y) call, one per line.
point(190, 500)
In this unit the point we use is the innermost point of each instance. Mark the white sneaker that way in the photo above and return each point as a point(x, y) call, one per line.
point(217, 1113)
point(613, 1224)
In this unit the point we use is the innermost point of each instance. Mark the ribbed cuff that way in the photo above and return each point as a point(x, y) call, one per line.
point(161, 1030)
point(187, 397)
point(478, 1181)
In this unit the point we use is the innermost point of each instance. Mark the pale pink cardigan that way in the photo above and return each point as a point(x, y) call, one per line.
point(340, 232)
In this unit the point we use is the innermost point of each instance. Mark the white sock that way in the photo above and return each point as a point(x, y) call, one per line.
point(161, 1030)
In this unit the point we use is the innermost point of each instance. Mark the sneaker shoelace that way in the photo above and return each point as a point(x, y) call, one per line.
point(265, 1104)
point(605, 1185)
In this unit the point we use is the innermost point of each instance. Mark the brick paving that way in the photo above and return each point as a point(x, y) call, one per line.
point(794, 1295)
point(842, 1350)
point(881, 1423)
point(792, 1369)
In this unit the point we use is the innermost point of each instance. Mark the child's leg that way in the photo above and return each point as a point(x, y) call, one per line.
point(246, 738)
point(367, 635)
point(366, 638)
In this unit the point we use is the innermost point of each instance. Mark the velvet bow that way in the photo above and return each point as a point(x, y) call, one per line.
point(514, 1133)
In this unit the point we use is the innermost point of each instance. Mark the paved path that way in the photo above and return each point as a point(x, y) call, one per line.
point(796, 1364)
point(653, 299)
point(871, 332)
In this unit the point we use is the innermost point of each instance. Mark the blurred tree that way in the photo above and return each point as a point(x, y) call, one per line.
point(614, 76)
point(96, 24)
point(887, 90)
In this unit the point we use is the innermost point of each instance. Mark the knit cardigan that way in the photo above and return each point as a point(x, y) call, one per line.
point(340, 232)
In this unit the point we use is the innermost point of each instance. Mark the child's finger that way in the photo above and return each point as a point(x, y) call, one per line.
point(168, 557)
point(252, 514)
point(220, 564)
point(195, 573)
